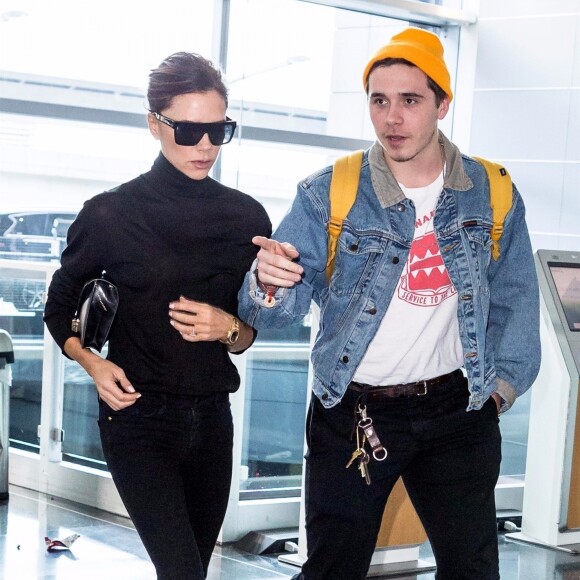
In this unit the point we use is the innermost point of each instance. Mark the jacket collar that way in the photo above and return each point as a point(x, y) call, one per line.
point(386, 186)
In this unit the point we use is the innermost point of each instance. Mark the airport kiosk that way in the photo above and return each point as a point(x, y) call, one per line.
point(551, 506)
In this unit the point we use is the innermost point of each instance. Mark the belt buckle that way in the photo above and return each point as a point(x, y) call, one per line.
point(424, 389)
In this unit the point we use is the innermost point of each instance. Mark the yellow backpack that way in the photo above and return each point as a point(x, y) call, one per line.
point(344, 186)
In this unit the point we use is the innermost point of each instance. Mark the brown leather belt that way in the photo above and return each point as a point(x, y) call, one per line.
point(406, 390)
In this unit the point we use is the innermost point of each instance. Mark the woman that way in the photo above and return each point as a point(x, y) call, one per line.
point(177, 244)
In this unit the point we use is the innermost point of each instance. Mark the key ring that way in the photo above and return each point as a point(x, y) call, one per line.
point(366, 424)
point(380, 453)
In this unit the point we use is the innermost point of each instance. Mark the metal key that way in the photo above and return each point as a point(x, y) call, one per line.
point(359, 449)
point(356, 453)
point(364, 468)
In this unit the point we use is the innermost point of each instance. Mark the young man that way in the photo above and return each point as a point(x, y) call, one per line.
point(414, 298)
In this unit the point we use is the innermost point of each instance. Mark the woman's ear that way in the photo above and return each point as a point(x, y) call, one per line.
point(153, 125)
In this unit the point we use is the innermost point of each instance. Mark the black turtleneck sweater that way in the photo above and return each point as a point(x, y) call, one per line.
point(160, 236)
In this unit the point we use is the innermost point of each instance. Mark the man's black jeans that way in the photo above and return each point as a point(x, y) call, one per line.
point(171, 461)
point(449, 460)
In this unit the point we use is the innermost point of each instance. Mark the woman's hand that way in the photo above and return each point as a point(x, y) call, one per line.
point(113, 386)
point(199, 322)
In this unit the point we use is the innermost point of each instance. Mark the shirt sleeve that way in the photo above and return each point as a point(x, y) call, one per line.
point(80, 262)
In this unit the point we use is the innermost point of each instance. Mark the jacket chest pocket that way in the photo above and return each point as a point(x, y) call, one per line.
point(478, 233)
point(477, 237)
point(357, 256)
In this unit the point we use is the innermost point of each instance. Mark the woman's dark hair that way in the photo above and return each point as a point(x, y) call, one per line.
point(440, 94)
point(182, 73)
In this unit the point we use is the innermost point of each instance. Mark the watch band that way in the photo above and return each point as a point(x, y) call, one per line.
point(233, 333)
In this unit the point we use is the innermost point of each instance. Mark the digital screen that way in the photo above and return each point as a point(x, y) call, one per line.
point(567, 280)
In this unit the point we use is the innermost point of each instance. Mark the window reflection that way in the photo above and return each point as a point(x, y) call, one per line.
point(21, 306)
point(67, 39)
point(283, 58)
point(275, 410)
point(82, 444)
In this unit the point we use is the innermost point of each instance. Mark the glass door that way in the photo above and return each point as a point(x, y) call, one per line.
point(22, 290)
point(275, 411)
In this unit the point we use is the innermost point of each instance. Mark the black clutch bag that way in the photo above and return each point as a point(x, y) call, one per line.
point(96, 310)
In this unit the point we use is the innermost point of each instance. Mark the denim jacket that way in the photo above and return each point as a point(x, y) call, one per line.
point(498, 301)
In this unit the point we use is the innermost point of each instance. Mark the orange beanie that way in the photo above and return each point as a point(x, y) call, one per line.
point(420, 47)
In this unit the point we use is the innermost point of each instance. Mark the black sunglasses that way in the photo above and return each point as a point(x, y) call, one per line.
point(189, 133)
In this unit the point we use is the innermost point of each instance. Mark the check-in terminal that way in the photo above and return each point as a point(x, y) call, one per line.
point(551, 505)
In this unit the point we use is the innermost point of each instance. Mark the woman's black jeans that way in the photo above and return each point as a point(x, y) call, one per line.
point(171, 460)
point(449, 459)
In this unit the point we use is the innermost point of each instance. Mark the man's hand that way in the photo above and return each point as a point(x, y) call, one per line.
point(498, 400)
point(276, 266)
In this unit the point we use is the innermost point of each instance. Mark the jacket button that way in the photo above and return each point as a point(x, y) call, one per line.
point(345, 359)
point(353, 247)
point(324, 396)
point(470, 354)
point(466, 297)
point(372, 311)
point(395, 260)
point(400, 207)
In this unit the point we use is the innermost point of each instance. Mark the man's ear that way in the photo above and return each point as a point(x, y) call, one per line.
point(153, 125)
point(443, 108)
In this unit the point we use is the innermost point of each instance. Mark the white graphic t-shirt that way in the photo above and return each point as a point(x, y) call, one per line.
point(419, 336)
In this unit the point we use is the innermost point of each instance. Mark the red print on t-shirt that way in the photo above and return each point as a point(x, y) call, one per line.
point(425, 281)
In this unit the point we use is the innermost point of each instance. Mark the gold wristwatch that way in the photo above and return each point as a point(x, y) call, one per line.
point(233, 333)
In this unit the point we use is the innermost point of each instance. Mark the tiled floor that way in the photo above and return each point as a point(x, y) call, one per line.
point(109, 549)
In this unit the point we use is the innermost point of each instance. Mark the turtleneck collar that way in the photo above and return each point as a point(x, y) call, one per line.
point(170, 180)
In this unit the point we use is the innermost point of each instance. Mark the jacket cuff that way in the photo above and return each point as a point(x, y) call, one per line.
point(258, 295)
point(506, 392)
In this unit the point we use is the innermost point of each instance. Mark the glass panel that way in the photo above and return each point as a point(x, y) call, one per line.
point(82, 442)
point(514, 431)
point(280, 54)
point(55, 167)
point(275, 408)
point(85, 40)
point(21, 307)
point(29, 225)
point(33, 235)
point(271, 171)
point(298, 65)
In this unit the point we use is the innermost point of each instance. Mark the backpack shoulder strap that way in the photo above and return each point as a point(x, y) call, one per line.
point(343, 188)
point(500, 199)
